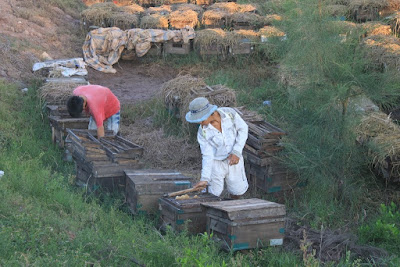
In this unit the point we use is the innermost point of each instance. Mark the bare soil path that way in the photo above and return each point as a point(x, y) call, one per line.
point(135, 81)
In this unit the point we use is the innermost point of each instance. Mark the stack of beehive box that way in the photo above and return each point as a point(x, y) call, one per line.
point(263, 169)
point(101, 163)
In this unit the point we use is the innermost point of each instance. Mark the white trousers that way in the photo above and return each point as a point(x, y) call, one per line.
point(233, 175)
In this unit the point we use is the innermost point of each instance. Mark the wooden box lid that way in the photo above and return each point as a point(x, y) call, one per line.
point(189, 204)
point(241, 209)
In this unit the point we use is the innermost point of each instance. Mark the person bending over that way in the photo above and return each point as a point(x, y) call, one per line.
point(100, 103)
point(222, 135)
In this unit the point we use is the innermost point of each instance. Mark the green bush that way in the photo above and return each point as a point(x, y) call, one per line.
point(385, 230)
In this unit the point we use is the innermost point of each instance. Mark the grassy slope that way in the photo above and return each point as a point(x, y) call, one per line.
point(45, 221)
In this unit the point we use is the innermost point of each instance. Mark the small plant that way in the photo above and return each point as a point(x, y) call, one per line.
point(385, 230)
point(308, 257)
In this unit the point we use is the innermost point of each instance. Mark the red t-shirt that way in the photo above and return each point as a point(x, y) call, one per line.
point(101, 102)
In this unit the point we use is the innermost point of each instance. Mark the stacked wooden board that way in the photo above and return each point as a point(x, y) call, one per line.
point(145, 187)
point(95, 167)
point(246, 223)
point(60, 121)
point(263, 169)
point(186, 212)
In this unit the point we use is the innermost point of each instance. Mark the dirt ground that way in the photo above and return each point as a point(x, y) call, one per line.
point(134, 81)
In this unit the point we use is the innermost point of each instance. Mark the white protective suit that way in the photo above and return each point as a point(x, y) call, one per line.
point(215, 149)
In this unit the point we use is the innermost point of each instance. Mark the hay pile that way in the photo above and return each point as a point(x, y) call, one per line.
point(132, 9)
point(271, 31)
point(271, 18)
point(57, 93)
point(383, 51)
point(214, 18)
point(92, 2)
point(392, 7)
point(366, 10)
point(378, 130)
point(227, 7)
point(162, 10)
point(337, 10)
point(110, 15)
point(180, 18)
point(198, 9)
point(210, 37)
point(179, 92)
point(235, 37)
point(376, 28)
point(154, 21)
point(243, 8)
point(122, 2)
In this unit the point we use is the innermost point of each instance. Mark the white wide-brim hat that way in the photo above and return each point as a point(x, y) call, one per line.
point(199, 110)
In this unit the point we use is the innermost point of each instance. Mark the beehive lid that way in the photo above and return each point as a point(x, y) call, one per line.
point(192, 201)
point(150, 176)
point(241, 209)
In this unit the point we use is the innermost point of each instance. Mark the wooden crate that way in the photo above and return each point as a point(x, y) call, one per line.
point(213, 50)
point(179, 48)
point(121, 150)
point(145, 187)
point(242, 48)
point(271, 178)
point(246, 223)
point(177, 212)
point(94, 167)
point(60, 123)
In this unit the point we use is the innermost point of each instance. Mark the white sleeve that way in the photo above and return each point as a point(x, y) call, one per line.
point(242, 131)
point(207, 153)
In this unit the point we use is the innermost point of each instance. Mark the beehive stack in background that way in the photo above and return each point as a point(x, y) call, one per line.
point(263, 169)
point(102, 163)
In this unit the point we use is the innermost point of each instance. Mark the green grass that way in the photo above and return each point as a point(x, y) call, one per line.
point(46, 221)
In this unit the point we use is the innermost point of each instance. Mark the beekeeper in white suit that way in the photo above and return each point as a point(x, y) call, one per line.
point(222, 135)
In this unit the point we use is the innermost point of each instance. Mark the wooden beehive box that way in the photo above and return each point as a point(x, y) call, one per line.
point(242, 48)
point(213, 50)
point(246, 223)
point(61, 122)
point(179, 48)
point(180, 212)
point(145, 187)
point(155, 50)
point(121, 150)
point(271, 178)
point(93, 166)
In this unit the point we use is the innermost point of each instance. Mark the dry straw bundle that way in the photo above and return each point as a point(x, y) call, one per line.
point(392, 7)
point(122, 2)
point(57, 93)
point(379, 129)
point(366, 10)
point(163, 10)
point(384, 51)
point(154, 21)
point(214, 18)
point(193, 7)
point(227, 7)
point(376, 28)
point(181, 18)
point(271, 31)
point(210, 37)
point(271, 18)
point(132, 9)
point(243, 8)
point(237, 36)
point(92, 2)
point(179, 92)
point(110, 15)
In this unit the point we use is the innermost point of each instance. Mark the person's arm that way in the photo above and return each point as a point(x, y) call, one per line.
point(242, 133)
point(100, 132)
point(207, 153)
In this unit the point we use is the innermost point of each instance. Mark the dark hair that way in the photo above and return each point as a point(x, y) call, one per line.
point(75, 106)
